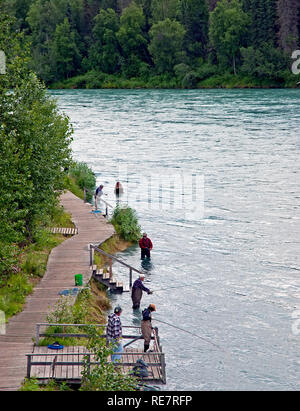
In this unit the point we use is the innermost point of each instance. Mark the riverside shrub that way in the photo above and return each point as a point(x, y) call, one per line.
point(126, 224)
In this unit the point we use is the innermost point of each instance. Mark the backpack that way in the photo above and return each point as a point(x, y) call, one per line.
point(140, 369)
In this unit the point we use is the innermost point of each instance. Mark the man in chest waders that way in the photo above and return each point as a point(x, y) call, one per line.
point(146, 246)
point(147, 326)
point(137, 291)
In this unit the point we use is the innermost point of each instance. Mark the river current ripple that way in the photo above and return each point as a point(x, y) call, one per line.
point(230, 272)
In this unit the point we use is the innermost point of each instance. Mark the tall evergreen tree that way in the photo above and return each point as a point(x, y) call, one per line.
point(163, 9)
point(194, 18)
point(66, 56)
point(288, 19)
point(166, 44)
point(263, 27)
point(43, 17)
point(228, 28)
point(132, 40)
point(104, 52)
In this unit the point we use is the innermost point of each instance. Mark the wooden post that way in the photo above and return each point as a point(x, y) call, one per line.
point(163, 367)
point(91, 255)
point(53, 366)
point(130, 277)
point(37, 334)
point(89, 364)
point(110, 269)
point(84, 193)
point(28, 366)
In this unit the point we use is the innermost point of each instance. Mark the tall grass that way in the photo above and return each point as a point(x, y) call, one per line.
point(81, 177)
point(31, 266)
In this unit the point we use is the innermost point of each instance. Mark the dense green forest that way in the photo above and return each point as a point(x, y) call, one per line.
point(35, 154)
point(160, 43)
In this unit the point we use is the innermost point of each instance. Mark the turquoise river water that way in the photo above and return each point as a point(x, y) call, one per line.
point(214, 178)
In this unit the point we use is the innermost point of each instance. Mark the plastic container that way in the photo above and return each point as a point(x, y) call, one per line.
point(78, 279)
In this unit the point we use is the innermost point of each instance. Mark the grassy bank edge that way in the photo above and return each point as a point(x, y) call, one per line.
point(32, 265)
point(95, 80)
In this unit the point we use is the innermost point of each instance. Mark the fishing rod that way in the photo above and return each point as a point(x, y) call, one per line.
point(193, 334)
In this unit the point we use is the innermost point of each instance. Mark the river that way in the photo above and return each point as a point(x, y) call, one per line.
point(214, 178)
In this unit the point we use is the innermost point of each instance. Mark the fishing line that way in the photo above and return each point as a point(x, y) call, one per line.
point(193, 334)
point(176, 286)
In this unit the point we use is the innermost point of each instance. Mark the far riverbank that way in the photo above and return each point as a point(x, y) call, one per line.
point(98, 80)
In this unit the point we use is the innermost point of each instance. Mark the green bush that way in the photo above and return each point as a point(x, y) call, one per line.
point(104, 376)
point(126, 224)
point(82, 176)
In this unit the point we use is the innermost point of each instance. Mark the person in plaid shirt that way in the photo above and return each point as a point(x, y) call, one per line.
point(114, 332)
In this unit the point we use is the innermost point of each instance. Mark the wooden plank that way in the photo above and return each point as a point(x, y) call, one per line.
point(38, 371)
point(71, 372)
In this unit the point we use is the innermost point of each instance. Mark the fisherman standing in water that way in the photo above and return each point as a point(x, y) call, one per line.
point(118, 189)
point(145, 246)
point(147, 326)
point(137, 291)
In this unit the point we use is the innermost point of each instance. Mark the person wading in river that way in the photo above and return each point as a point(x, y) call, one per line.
point(146, 246)
point(147, 326)
point(118, 189)
point(137, 291)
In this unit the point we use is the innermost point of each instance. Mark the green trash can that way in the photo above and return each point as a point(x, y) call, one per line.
point(78, 279)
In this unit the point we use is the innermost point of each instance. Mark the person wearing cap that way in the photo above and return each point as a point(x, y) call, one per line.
point(146, 246)
point(114, 332)
point(146, 325)
point(98, 194)
point(137, 291)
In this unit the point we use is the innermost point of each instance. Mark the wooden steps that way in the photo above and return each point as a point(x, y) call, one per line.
point(111, 282)
point(64, 231)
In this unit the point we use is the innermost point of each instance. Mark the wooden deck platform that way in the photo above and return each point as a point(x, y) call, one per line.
point(67, 364)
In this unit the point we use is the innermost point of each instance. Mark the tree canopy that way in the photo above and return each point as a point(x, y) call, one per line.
point(119, 37)
point(34, 147)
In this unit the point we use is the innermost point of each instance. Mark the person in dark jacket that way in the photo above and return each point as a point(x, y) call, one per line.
point(146, 325)
point(146, 246)
point(137, 291)
point(118, 189)
point(98, 194)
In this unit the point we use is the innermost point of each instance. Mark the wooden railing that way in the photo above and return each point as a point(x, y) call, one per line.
point(59, 359)
point(155, 358)
point(107, 205)
point(39, 334)
point(112, 258)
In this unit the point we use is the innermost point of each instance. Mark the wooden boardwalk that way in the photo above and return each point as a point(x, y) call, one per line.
point(69, 258)
point(67, 364)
